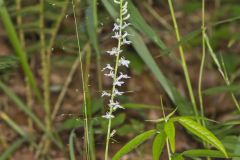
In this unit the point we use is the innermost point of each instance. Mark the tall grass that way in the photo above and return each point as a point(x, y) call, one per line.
point(86, 124)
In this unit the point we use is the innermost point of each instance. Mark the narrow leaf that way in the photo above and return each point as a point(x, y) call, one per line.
point(207, 153)
point(158, 145)
point(135, 142)
point(202, 133)
point(170, 132)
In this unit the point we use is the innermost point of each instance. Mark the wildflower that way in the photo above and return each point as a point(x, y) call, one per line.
point(124, 62)
point(125, 41)
point(116, 35)
point(115, 105)
point(110, 74)
point(108, 66)
point(125, 76)
point(108, 116)
point(118, 93)
point(116, 27)
point(125, 25)
point(114, 51)
point(125, 34)
point(104, 93)
point(118, 83)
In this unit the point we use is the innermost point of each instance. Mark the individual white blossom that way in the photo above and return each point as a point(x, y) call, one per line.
point(124, 62)
point(114, 51)
point(125, 76)
point(118, 93)
point(116, 35)
point(108, 116)
point(110, 74)
point(104, 93)
point(125, 25)
point(118, 83)
point(125, 41)
point(125, 34)
point(116, 27)
point(109, 67)
point(115, 105)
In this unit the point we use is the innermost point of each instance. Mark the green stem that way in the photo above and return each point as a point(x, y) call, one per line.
point(202, 64)
point(114, 79)
point(184, 65)
point(86, 128)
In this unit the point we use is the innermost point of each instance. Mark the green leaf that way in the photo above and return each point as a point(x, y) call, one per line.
point(71, 145)
point(17, 144)
point(158, 145)
point(177, 157)
point(202, 133)
point(12, 35)
point(183, 106)
point(91, 24)
point(233, 88)
point(207, 153)
point(170, 132)
point(135, 142)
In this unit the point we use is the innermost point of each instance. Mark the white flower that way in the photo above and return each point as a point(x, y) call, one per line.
point(118, 83)
point(108, 116)
point(116, 27)
point(108, 66)
point(125, 34)
point(118, 93)
point(125, 41)
point(110, 74)
point(125, 76)
point(104, 93)
point(115, 105)
point(125, 25)
point(124, 62)
point(126, 17)
point(116, 35)
point(114, 51)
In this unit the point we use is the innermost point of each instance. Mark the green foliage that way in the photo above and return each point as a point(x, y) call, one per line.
point(158, 145)
point(135, 142)
point(170, 132)
point(202, 133)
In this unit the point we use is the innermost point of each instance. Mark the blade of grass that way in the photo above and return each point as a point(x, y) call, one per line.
point(71, 145)
point(12, 35)
point(11, 149)
point(184, 65)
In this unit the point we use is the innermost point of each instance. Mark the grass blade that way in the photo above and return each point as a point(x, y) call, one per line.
point(71, 145)
point(17, 144)
point(12, 35)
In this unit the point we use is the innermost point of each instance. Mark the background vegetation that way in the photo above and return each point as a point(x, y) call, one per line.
point(181, 102)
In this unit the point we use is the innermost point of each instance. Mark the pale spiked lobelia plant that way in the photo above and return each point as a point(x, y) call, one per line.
point(120, 34)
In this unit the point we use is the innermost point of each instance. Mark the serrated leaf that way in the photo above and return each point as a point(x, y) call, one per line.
point(135, 142)
point(158, 145)
point(202, 133)
point(170, 132)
